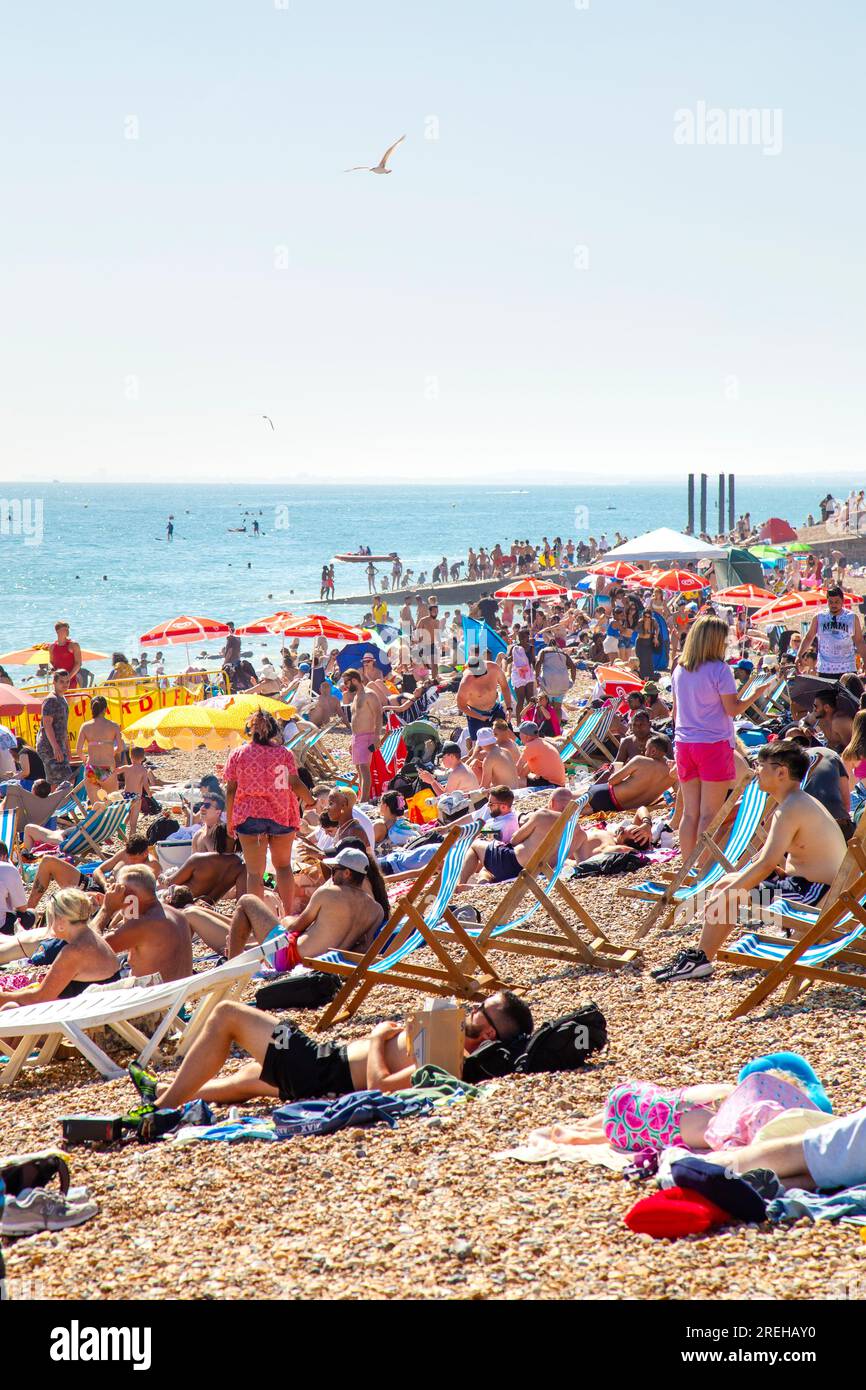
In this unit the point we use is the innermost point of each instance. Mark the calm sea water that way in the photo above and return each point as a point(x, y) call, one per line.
point(105, 565)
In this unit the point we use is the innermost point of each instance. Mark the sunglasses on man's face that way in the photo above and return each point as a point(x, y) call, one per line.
point(480, 1009)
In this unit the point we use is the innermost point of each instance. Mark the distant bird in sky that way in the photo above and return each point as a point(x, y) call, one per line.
point(269, 420)
point(382, 166)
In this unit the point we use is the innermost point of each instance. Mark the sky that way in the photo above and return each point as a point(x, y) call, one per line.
point(567, 275)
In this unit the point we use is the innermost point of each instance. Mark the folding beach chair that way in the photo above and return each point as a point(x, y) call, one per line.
point(311, 753)
point(585, 744)
point(508, 933)
point(410, 927)
point(44, 1027)
point(103, 822)
point(9, 828)
point(668, 893)
point(829, 932)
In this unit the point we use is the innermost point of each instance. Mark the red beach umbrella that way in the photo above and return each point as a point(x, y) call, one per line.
point(14, 701)
point(744, 596)
point(614, 569)
point(270, 626)
point(317, 626)
point(679, 581)
point(180, 631)
point(802, 605)
point(530, 588)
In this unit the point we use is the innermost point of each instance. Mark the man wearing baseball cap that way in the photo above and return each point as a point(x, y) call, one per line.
point(483, 694)
point(340, 916)
point(539, 763)
point(494, 764)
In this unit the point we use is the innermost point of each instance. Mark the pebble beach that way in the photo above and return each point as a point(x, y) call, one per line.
point(425, 1211)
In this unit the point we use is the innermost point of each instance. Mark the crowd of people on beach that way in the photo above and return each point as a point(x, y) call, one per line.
point(488, 708)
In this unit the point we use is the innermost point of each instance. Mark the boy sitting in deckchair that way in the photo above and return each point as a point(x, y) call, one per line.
point(290, 1066)
point(798, 861)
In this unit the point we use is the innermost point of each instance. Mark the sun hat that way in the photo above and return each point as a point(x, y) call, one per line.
point(349, 859)
point(798, 1067)
point(485, 738)
point(477, 665)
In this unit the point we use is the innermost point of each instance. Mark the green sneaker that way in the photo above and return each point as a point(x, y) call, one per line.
point(135, 1118)
point(144, 1082)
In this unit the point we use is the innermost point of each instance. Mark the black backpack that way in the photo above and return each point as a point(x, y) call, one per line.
point(161, 829)
point(562, 1045)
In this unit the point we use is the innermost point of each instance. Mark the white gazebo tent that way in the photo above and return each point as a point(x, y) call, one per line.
point(666, 545)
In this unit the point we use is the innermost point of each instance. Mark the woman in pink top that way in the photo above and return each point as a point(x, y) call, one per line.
point(262, 791)
point(705, 705)
point(854, 756)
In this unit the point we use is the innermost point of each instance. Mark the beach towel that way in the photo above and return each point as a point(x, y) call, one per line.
point(359, 1108)
point(847, 1205)
point(559, 1142)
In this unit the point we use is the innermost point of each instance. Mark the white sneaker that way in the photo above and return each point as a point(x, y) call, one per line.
point(39, 1210)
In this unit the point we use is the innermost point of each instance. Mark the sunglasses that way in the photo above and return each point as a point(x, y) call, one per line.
point(480, 1009)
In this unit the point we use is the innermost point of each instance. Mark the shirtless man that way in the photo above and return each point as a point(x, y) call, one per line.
point(427, 639)
point(483, 694)
point(103, 742)
point(798, 861)
point(325, 707)
point(339, 916)
point(85, 959)
point(640, 782)
point(505, 738)
point(590, 841)
point(209, 875)
point(495, 764)
point(498, 863)
point(366, 720)
point(133, 920)
point(636, 740)
point(539, 763)
point(460, 778)
point(290, 1066)
point(834, 719)
point(374, 683)
point(655, 704)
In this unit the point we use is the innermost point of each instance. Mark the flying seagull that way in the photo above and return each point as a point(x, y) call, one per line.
point(269, 420)
point(382, 166)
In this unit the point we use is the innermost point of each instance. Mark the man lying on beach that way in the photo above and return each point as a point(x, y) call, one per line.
point(341, 915)
point(132, 919)
point(208, 877)
point(483, 695)
point(287, 1065)
point(52, 869)
point(590, 841)
point(460, 778)
point(642, 780)
point(798, 861)
point(85, 959)
point(539, 763)
point(498, 863)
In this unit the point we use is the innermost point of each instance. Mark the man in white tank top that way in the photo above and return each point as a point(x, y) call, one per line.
point(839, 635)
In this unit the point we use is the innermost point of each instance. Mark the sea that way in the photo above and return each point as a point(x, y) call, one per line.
point(97, 555)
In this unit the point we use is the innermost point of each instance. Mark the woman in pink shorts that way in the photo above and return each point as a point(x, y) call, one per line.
point(705, 705)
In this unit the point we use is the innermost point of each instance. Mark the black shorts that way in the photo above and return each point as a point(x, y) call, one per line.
point(501, 861)
point(301, 1069)
point(795, 888)
point(601, 798)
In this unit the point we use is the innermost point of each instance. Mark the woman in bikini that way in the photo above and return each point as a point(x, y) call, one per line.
point(101, 740)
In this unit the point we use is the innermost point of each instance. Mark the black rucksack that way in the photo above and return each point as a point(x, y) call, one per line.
point(161, 829)
point(562, 1045)
point(565, 1043)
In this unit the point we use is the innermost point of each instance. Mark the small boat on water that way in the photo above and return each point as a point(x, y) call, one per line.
point(365, 559)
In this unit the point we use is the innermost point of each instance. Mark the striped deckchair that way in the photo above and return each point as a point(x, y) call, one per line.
point(565, 943)
point(840, 918)
point(410, 927)
point(585, 743)
point(666, 895)
point(9, 828)
point(104, 822)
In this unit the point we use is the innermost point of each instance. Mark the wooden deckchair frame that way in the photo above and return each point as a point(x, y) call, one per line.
point(447, 978)
point(845, 896)
point(565, 943)
point(666, 907)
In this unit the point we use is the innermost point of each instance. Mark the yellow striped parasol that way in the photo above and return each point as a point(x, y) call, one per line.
point(188, 727)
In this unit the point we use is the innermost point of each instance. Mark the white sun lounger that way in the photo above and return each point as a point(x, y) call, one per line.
point(45, 1026)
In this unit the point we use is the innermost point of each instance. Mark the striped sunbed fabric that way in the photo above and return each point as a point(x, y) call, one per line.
point(751, 809)
point(813, 955)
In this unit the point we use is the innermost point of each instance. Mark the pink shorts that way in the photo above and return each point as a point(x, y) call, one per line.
point(711, 762)
point(361, 749)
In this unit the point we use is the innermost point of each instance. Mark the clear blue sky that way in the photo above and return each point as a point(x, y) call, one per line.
point(432, 324)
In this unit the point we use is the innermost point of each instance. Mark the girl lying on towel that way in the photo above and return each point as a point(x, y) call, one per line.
point(641, 1117)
